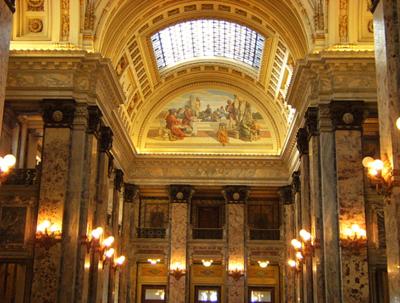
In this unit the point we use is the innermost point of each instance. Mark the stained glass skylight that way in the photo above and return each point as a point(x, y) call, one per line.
point(207, 38)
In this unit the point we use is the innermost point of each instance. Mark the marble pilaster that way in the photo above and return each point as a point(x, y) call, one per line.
point(236, 198)
point(5, 38)
point(180, 197)
point(347, 118)
point(52, 196)
point(387, 48)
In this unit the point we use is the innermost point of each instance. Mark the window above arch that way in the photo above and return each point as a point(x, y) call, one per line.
point(207, 39)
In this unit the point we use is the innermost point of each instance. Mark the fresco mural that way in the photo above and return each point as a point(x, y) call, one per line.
point(210, 118)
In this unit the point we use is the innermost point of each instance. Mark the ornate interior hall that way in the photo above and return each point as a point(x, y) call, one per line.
point(198, 151)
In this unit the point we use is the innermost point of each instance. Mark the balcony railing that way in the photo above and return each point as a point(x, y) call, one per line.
point(19, 176)
point(207, 233)
point(151, 233)
point(264, 234)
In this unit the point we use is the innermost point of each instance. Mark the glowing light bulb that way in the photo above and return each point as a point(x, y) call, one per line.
point(96, 233)
point(305, 235)
point(207, 263)
point(299, 256)
point(398, 123)
point(43, 226)
point(291, 263)
point(377, 165)
point(362, 233)
point(355, 228)
point(348, 232)
point(9, 160)
point(153, 261)
point(54, 228)
point(373, 172)
point(263, 264)
point(108, 241)
point(367, 161)
point(109, 252)
point(120, 260)
point(296, 244)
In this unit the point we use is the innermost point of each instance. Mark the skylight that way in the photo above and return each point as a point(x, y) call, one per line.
point(205, 39)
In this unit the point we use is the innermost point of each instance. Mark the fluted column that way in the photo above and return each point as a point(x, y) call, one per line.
point(180, 198)
point(58, 118)
point(236, 198)
point(387, 49)
point(347, 118)
point(6, 10)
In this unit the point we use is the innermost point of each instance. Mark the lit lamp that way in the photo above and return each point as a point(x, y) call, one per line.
point(354, 237)
point(107, 256)
point(263, 264)
point(93, 241)
point(177, 270)
point(302, 248)
point(294, 265)
point(236, 271)
point(6, 164)
point(380, 175)
point(119, 262)
point(207, 263)
point(47, 234)
point(153, 261)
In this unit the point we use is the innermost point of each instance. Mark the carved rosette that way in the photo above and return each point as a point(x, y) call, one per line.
point(347, 115)
point(58, 113)
point(35, 25)
point(180, 193)
point(302, 141)
point(236, 194)
point(130, 192)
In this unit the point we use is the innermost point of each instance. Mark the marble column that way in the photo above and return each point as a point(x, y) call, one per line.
point(130, 193)
point(236, 198)
point(347, 118)
point(180, 198)
point(87, 209)
point(58, 118)
point(98, 275)
point(305, 215)
point(387, 49)
point(6, 10)
point(328, 190)
point(311, 125)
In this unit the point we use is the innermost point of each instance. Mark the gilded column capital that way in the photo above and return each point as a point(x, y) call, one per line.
point(106, 139)
point(302, 141)
point(180, 193)
point(119, 179)
point(286, 195)
point(236, 194)
point(58, 113)
point(94, 123)
point(130, 192)
point(347, 115)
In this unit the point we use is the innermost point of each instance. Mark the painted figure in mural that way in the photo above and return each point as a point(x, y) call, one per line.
point(174, 125)
point(196, 107)
point(222, 134)
point(245, 126)
point(231, 113)
point(187, 116)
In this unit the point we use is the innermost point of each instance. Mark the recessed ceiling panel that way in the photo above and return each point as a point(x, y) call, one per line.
point(210, 121)
point(207, 39)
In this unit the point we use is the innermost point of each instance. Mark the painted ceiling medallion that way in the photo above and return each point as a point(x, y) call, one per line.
point(210, 121)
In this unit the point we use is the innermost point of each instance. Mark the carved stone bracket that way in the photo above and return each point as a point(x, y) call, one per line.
point(58, 113)
point(347, 115)
point(130, 192)
point(296, 182)
point(302, 141)
point(286, 195)
point(94, 120)
point(311, 124)
point(119, 179)
point(236, 194)
point(180, 193)
point(106, 139)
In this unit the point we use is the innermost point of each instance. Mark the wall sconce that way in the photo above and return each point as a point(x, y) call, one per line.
point(302, 249)
point(354, 237)
point(108, 255)
point(94, 241)
point(236, 271)
point(207, 263)
point(263, 264)
point(153, 261)
point(47, 234)
point(380, 174)
point(177, 271)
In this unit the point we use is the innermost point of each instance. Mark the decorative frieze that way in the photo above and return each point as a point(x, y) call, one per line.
point(236, 194)
point(180, 193)
point(347, 115)
point(58, 113)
